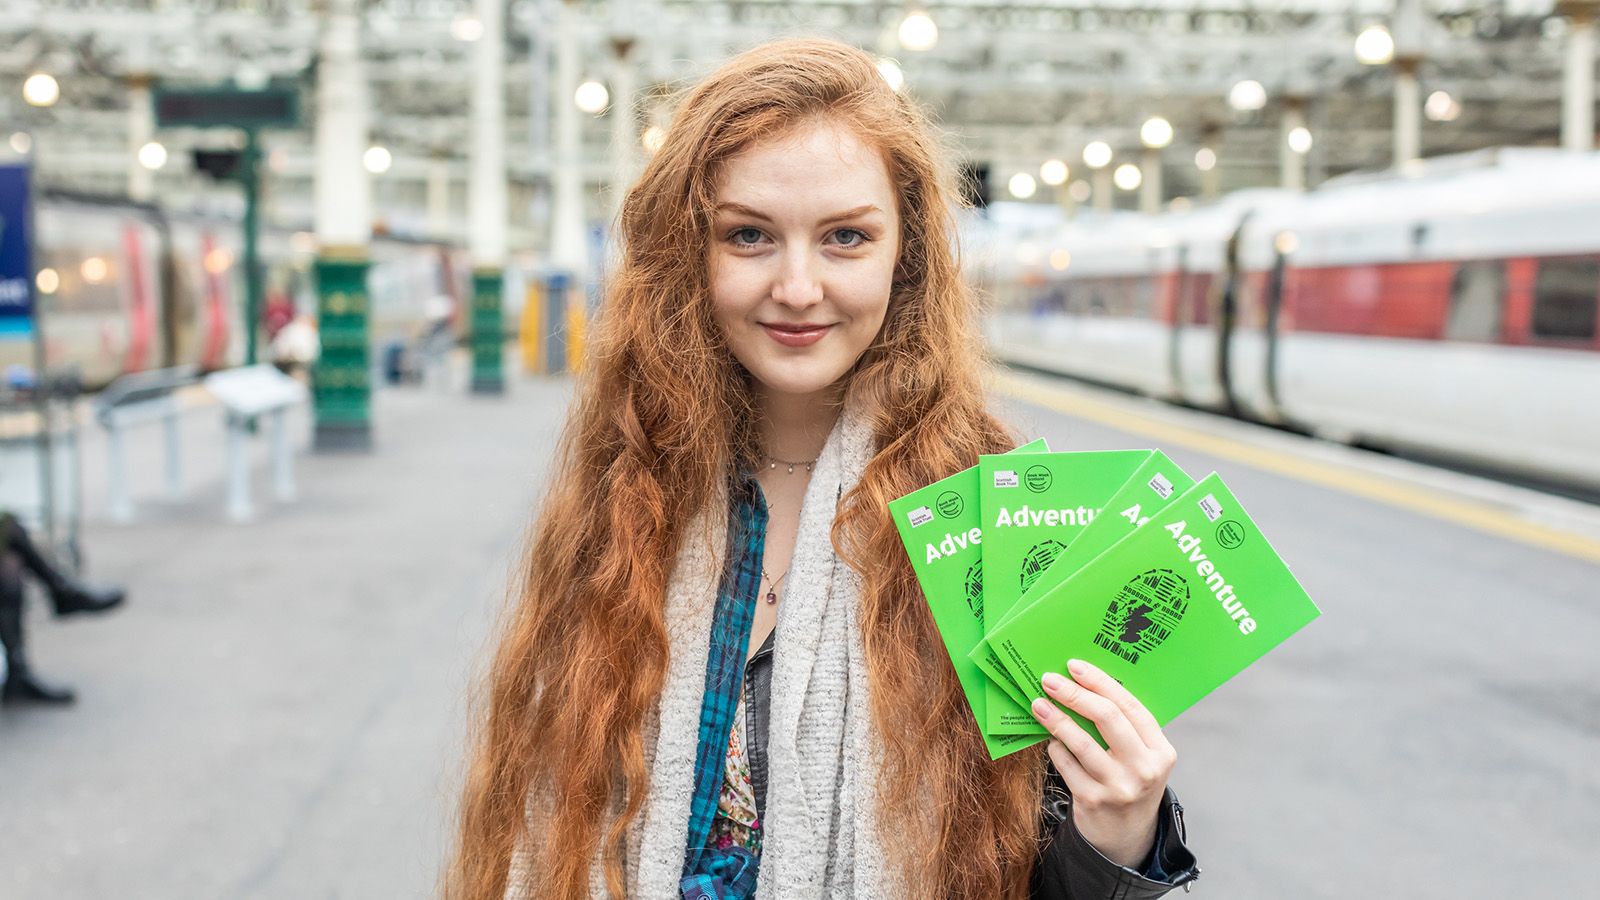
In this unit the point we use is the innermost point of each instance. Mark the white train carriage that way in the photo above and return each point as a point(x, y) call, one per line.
point(1452, 312)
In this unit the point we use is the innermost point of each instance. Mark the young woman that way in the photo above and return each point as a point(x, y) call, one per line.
point(719, 671)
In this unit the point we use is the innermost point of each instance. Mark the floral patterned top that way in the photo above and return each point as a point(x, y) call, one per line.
point(736, 823)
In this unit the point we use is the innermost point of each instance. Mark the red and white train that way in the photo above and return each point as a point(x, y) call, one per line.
point(1450, 311)
point(125, 287)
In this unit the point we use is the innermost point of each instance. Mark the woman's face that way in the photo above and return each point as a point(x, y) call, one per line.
point(803, 255)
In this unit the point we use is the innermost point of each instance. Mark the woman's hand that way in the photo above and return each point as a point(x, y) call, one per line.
point(1116, 793)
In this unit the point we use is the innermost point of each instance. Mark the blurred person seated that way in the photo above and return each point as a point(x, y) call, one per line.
point(296, 345)
point(17, 552)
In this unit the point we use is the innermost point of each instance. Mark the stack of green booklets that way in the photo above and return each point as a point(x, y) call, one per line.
point(1032, 558)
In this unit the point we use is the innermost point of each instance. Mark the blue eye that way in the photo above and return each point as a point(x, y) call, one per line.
point(745, 237)
point(849, 237)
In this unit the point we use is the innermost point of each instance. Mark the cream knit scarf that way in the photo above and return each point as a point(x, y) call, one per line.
point(820, 841)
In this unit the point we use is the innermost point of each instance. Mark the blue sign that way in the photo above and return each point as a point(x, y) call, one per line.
point(16, 254)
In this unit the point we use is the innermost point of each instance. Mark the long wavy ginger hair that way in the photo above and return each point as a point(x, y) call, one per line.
point(661, 410)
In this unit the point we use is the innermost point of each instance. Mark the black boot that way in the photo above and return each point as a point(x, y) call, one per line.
point(24, 688)
point(69, 596)
point(21, 686)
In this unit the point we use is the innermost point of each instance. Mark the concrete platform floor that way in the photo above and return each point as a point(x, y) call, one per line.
point(278, 711)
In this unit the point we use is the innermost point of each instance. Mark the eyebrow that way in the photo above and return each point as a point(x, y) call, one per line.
point(741, 209)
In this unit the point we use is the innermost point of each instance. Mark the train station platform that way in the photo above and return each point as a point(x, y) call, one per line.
point(278, 711)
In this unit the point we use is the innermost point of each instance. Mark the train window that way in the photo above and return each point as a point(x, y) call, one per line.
point(1476, 297)
point(1565, 298)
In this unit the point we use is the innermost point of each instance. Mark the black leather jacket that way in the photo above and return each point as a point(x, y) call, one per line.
point(1069, 868)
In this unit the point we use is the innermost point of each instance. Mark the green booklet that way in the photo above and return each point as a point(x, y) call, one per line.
point(1033, 506)
point(1155, 484)
point(1173, 610)
point(943, 535)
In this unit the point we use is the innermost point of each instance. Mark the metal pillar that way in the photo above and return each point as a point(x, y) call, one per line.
point(624, 121)
point(1577, 91)
point(569, 240)
point(1102, 188)
point(439, 197)
point(1291, 165)
point(250, 175)
point(343, 191)
point(1407, 110)
point(141, 129)
point(1150, 192)
point(487, 198)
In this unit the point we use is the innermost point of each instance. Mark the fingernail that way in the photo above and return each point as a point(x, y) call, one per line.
point(1076, 666)
point(1042, 710)
point(1053, 682)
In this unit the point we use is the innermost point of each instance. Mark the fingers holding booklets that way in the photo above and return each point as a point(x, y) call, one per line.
point(1032, 559)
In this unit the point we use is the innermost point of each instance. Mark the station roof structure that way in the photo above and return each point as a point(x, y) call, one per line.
point(1015, 83)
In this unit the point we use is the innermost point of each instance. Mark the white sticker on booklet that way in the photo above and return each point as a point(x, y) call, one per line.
point(1210, 506)
point(1005, 478)
point(1162, 486)
point(919, 516)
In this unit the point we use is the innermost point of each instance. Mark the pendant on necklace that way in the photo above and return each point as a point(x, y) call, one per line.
point(791, 470)
point(772, 596)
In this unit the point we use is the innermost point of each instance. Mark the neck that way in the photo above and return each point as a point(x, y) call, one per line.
point(795, 426)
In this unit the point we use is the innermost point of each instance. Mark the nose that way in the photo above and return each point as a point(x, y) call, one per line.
point(797, 285)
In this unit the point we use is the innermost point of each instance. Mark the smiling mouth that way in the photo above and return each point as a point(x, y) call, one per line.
point(798, 335)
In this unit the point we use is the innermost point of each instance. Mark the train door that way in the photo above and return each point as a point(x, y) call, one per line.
point(1174, 318)
point(1227, 313)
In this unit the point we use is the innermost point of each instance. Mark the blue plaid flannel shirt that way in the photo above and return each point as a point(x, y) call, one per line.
point(710, 873)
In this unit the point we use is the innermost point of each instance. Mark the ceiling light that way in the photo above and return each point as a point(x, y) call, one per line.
point(1441, 107)
point(1375, 46)
point(1022, 185)
point(377, 160)
point(1097, 154)
point(1127, 176)
point(1053, 172)
point(918, 32)
point(1300, 139)
point(1156, 132)
point(591, 96)
point(466, 27)
point(1206, 159)
point(41, 89)
point(94, 270)
point(153, 155)
point(1247, 95)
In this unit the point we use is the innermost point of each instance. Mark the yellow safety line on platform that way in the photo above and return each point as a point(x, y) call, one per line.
point(1383, 490)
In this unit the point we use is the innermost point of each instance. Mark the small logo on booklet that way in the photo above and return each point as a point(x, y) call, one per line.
point(1230, 534)
point(919, 516)
point(950, 504)
point(974, 589)
point(1005, 478)
point(1038, 479)
point(1161, 485)
point(1210, 506)
point(1143, 614)
point(1037, 559)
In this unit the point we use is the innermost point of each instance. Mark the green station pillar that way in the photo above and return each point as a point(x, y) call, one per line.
point(488, 331)
point(340, 385)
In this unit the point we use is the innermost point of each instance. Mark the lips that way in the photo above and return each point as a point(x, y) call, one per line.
point(801, 334)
